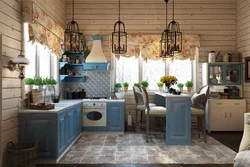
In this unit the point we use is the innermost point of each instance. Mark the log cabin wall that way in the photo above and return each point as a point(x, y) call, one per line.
point(214, 20)
point(11, 28)
point(243, 40)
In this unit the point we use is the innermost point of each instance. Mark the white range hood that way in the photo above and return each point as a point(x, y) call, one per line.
point(96, 55)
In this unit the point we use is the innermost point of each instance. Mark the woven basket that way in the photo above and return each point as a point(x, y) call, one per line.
point(22, 154)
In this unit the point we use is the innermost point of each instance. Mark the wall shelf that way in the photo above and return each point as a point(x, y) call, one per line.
point(72, 78)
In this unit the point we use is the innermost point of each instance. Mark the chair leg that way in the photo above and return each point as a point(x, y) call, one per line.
point(147, 128)
point(141, 119)
point(136, 123)
point(204, 128)
point(198, 127)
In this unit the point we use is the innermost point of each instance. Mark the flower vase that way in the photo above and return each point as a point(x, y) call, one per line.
point(167, 87)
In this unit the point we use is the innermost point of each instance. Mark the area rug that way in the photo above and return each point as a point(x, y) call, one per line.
point(131, 148)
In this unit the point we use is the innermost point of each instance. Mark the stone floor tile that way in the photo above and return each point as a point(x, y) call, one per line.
point(126, 153)
point(70, 160)
point(97, 143)
point(89, 159)
point(156, 160)
point(123, 159)
point(140, 160)
point(106, 160)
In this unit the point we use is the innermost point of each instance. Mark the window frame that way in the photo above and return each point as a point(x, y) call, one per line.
point(194, 68)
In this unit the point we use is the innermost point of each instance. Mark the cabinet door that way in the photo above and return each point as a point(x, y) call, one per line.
point(70, 128)
point(62, 133)
point(115, 117)
point(79, 118)
point(235, 119)
point(217, 118)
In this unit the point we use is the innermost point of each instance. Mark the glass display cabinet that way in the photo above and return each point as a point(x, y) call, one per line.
point(224, 74)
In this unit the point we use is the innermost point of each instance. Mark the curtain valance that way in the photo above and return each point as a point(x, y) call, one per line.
point(42, 28)
point(148, 46)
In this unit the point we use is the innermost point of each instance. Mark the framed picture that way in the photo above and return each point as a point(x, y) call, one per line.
point(247, 69)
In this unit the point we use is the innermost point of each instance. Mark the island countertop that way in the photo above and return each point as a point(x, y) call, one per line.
point(172, 95)
point(59, 107)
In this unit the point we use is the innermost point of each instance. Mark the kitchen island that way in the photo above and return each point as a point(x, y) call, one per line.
point(178, 117)
point(56, 129)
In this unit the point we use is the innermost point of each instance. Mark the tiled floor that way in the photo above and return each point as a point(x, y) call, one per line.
point(131, 148)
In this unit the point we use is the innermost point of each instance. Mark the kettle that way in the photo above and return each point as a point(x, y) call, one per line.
point(212, 57)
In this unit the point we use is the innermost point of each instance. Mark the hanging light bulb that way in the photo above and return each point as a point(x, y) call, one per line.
point(119, 37)
point(174, 36)
point(164, 51)
point(73, 38)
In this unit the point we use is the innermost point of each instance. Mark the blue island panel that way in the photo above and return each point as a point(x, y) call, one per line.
point(178, 121)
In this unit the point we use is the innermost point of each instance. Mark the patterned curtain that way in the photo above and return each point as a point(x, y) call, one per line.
point(148, 46)
point(42, 28)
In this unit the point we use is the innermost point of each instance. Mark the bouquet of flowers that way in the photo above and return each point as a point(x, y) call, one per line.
point(169, 80)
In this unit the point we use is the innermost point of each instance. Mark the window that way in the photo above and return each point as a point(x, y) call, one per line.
point(182, 70)
point(43, 63)
point(134, 70)
point(127, 70)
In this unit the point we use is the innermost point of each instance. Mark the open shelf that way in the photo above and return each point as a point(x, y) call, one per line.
point(72, 78)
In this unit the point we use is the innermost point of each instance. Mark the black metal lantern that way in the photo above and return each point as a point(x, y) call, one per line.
point(119, 37)
point(174, 36)
point(72, 37)
point(164, 51)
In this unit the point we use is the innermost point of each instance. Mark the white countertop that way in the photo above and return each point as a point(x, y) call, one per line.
point(65, 104)
point(59, 107)
point(172, 95)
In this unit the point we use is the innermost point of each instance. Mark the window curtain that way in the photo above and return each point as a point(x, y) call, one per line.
point(148, 47)
point(42, 28)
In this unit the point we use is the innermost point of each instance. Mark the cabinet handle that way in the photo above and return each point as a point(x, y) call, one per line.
point(225, 115)
point(236, 104)
point(218, 103)
point(230, 115)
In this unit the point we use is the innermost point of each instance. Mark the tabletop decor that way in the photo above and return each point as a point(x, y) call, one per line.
point(169, 81)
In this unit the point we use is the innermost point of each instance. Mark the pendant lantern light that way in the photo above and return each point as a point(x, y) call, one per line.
point(119, 37)
point(164, 51)
point(73, 38)
point(174, 36)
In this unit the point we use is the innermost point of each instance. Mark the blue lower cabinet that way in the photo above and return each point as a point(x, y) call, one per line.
point(54, 131)
point(39, 127)
point(115, 117)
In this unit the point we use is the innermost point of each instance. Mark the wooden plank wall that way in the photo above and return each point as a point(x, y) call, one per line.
point(11, 28)
point(243, 40)
point(214, 20)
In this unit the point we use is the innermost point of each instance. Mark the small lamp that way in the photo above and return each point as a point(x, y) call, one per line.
point(19, 63)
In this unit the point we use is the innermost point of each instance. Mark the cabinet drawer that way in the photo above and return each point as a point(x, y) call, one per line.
point(96, 66)
point(227, 103)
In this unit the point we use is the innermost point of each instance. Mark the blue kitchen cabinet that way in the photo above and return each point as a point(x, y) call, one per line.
point(115, 116)
point(39, 127)
point(54, 131)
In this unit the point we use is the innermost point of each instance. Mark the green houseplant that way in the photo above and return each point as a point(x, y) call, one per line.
point(189, 85)
point(118, 87)
point(29, 82)
point(160, 86)
point(180, 86)
point(38, 81)
point(144, 84)
point(125, 85)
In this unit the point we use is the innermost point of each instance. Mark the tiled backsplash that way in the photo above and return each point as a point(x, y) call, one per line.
point(97, 85)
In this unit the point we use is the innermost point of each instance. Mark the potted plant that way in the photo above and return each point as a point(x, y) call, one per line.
point(144, 84)
point(180, 86)
point(189, 85)
point(29, 82)
point(125, 85)
point(38, 81)
point(160, 86)
point(137, 84)
point(118, 87)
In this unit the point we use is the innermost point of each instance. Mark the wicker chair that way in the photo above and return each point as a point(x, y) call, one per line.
point(154, 111)
point(200, 114)
point(139, 107)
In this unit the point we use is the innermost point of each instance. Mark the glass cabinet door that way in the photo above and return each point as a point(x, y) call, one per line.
point(233, 74)
point(215, 74)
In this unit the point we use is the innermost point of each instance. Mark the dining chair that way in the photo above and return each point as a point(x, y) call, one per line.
point(140, 106)
point(152, 111)
point(200, 114)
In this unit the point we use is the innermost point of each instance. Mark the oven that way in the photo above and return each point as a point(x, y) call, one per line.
point(94, 113)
